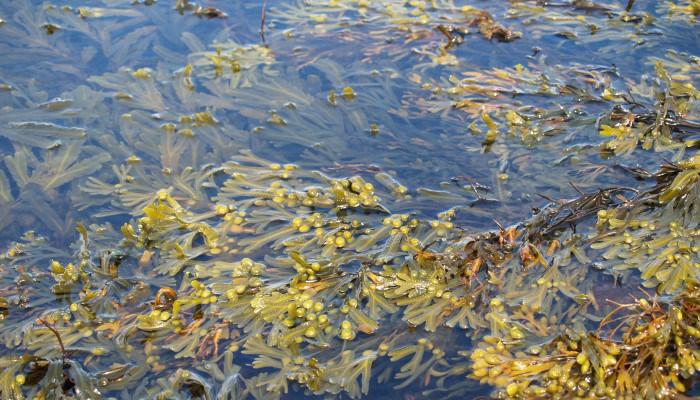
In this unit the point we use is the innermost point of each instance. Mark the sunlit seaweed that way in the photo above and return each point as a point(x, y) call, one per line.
point(210, 264)
point(657, 126)
point(650, 351)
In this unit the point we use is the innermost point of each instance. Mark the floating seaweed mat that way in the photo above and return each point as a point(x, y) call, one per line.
point(530, 286)
point(233, 243)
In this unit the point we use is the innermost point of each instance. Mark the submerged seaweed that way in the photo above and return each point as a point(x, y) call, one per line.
point(370, 198)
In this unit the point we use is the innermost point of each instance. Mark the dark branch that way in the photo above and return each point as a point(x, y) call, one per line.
point(262, 22)
point(58, 336)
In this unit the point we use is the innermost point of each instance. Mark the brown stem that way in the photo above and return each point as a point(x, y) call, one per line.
point(262, 22)
point(58, 336)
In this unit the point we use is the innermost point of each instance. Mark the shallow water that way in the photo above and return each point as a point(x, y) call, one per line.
point(94, 121)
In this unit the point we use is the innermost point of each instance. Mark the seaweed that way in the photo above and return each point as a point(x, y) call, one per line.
point(344, 209)
point(605, 363)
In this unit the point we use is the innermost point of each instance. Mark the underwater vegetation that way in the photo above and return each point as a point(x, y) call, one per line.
point(349, 198)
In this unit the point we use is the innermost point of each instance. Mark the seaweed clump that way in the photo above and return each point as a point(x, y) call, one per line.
point(647, 348)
